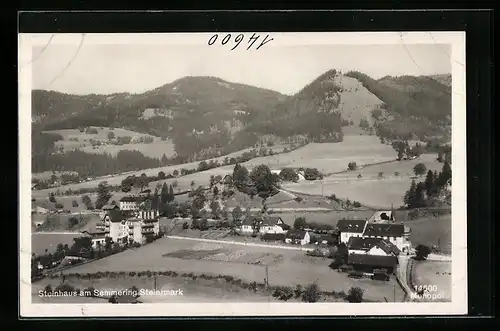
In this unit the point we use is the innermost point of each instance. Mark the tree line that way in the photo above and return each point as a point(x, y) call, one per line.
point(423, 194)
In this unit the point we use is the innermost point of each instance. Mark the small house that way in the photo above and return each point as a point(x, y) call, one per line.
point(350, 228)
point(323, 239)
point(298, 237)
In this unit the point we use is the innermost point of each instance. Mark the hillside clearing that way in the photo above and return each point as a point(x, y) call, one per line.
point(74, 139)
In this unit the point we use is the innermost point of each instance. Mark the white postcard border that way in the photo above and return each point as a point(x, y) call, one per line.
point(458, 305)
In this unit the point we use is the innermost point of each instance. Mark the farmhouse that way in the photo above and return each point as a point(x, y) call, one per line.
point(131, 202)
point(369, 263)
point(263, 224)
point(273, 224)
point(394, 233)
point(372, 246)
point(299, 237)
point(350, 228)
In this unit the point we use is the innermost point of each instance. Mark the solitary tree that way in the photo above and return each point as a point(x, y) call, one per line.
point(300, 223)
point(419, 169)
point(422, 252)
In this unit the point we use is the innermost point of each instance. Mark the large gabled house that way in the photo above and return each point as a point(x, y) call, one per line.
point(350, 228)
point(397, 234)
point(124, 226)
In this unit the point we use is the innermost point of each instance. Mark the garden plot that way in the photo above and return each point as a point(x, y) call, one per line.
point(214, 252)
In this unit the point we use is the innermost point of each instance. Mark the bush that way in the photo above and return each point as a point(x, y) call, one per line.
point(298, 199)
point(422, 252)
point(298, 291)
point(356, 204)
point(59, 206)
point(185, 225)
point(352, 166)
point(74, 203)
point(283, 293)
point(355, 294)
point(311, 293)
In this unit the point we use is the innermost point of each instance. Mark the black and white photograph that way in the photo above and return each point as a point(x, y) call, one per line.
point(244, 173)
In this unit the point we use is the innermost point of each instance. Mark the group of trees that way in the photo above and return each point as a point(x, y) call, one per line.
point(260, 181)
point(421, 194)
point(404, 150)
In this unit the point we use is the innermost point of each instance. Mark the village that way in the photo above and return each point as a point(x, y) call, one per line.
point(368, 248)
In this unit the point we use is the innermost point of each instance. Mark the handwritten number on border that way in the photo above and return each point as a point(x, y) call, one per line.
point(212, 40)
point(238, 39)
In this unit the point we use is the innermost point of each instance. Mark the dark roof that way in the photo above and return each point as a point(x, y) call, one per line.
point(355, 226)
point(296, 234)
point(385, 230)
point(132, 199)
point(115, 215)
point(273, 236)
point(388, 247)
point(359, 243)
point(284, 226)
point(372, 260)
point(109, 207)
point(271, 220)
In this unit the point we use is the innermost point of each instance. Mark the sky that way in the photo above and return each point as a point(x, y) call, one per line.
point(113, 68)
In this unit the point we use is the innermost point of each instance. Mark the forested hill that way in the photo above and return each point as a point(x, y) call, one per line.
point(416, 107)
point(313, 112)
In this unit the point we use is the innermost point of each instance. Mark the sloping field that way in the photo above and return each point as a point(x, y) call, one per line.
point(432, 231)
point(291, 271)
point(356, 101)
point(370, 190)
point(156, 149)
point(116, 180)
point(331, 157)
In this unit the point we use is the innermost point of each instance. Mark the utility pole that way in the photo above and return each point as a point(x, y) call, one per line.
point(267, 284)
point(394, 286)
